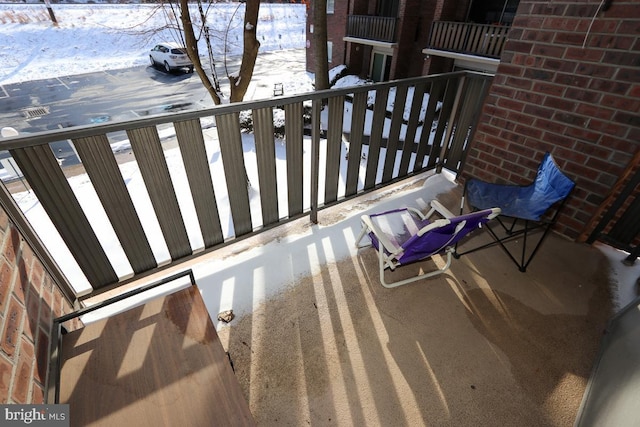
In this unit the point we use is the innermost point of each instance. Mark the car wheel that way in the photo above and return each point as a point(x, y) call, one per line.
point(166, 67)
point(153, 63)
point(191, 69)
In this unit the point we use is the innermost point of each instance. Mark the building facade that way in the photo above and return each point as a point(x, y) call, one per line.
point(392, 39)
point(567, 83)
point(29, 301)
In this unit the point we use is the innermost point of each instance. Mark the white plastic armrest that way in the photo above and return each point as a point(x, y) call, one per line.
point(494, 213)
point(417, 212)
point(382, 238)
point(435, 224)
point(438, 207)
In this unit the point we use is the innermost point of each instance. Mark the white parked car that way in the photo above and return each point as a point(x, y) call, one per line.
point(171, 56)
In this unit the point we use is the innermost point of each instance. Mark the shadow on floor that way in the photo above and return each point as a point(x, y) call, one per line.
point(483, 344)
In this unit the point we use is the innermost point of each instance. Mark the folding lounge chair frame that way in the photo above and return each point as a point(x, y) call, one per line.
point(524, 207)
point(404, 236)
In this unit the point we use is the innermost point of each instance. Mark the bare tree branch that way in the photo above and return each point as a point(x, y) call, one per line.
point(192, 50)
point(240, 83)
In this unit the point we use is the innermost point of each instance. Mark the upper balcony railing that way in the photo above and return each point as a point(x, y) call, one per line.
point(395, 129)
point(378, 28)
point(468, 38)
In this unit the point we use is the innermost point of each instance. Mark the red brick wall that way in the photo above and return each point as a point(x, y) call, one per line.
point(406, 54)
point(29, 301)
point(336, 30)
point(568, 84)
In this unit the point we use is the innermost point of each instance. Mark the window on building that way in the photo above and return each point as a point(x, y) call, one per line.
point(329, 51)
point(493, 11)
point(388, 8)
point(331, 6)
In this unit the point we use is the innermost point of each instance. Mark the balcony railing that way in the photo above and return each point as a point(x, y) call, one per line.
point(396, 129)
point(378, 28)
point(468, 38)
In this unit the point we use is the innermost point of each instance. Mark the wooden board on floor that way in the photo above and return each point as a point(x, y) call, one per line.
point(161, 363)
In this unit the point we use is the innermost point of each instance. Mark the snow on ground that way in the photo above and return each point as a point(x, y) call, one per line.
point(96, 37)
point(118, 36)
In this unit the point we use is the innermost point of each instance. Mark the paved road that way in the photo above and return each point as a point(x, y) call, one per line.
point(125, 94)
point(98, 97)
point(116, 95)
point(84, 99)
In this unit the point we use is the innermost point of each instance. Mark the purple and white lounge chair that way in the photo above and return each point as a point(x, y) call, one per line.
point(404, 236)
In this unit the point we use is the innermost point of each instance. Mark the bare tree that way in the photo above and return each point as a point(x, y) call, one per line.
point(240, 81)
point(320, 44)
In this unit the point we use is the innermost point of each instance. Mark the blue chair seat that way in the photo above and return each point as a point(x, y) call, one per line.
point(530, 205)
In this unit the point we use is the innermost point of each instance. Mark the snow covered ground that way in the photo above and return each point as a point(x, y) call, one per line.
point(95, 37)
point(98, 37)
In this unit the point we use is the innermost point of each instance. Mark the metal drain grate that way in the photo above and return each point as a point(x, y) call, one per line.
point(33, 112)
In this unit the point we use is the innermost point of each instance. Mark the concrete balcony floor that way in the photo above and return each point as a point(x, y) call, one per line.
point(481, 345)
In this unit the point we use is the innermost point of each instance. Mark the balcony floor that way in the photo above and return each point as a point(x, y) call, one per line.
point(318, 341)
point(482, 345)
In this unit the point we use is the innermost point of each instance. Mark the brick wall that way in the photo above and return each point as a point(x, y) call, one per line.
point(336, 30)
point(569, 84)
point(29, 301)
point(406, 54)
point(416, 17)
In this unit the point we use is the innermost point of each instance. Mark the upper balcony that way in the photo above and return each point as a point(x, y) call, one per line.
point(371, 29)
point(467, 41)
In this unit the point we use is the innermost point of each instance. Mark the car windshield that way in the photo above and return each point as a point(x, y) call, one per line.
point(179, 51)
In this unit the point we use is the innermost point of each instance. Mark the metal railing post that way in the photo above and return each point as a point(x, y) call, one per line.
point(31, 237)
point(451, 123)
point(320, 164)
point(316, 108)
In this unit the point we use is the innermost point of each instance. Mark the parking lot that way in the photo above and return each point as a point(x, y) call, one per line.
point(127, 94)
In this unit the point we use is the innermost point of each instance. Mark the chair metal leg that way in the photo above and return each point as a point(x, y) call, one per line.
point(633, 255)
point(501, 242)
point(547, 228)
point(512, 235)
point(363, 232)
point(397, 283)
point(522, 266)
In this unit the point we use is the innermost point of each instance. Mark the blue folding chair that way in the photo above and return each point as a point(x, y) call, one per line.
point(528, 208)
point(405, 236)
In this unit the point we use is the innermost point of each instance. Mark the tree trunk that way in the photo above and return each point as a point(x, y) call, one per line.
point(320, 44)
point(240, 82)
point(192, 51)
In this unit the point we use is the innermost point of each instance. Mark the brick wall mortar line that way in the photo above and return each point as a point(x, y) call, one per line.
point(14, 275)
point(31, 370)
